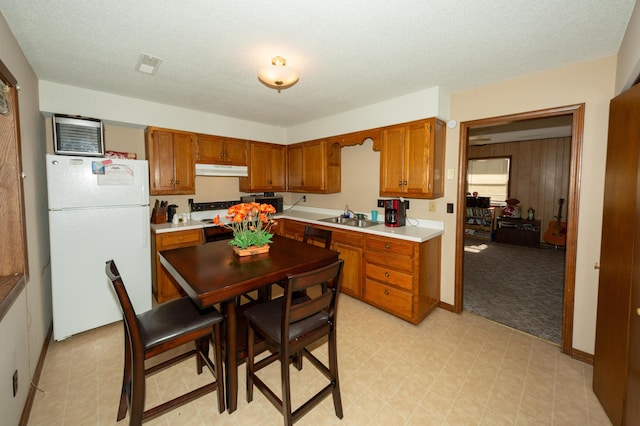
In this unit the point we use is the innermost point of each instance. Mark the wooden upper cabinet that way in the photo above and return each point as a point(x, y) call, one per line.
point(266, 168)
point(314, 167)
point(171, 155)
point(412, 159)
point(220, 150)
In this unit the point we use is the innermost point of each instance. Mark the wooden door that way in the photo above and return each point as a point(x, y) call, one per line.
point(294, 169)
point(184, 150)
point(392, 161)
point(314, 158)
point(417, 159)
point(278, 169)
point(616, 369)
point(234, 152)
point(210, 149)
point(160, 153)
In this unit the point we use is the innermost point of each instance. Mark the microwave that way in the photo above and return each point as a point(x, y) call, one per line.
point(274, 200)
point(76, 135)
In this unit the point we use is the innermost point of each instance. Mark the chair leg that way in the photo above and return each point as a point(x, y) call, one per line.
point(125, 394)
point(333, 372)
point(136, 410)
point(250, 359)
point(217, 349)
point(286, 387)
point(202, 349)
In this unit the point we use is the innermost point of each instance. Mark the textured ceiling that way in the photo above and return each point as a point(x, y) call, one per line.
point(348, 53)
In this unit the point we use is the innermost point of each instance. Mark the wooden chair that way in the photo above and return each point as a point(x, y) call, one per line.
point(288, 326)
point(317, 236)
point(159, 330)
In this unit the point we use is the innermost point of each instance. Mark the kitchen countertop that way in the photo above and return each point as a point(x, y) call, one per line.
point(417, 230)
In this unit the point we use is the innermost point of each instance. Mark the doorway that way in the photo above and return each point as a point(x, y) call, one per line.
point(576, 112)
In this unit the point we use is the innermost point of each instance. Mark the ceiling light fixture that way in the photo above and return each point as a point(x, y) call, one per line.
point(278, 76)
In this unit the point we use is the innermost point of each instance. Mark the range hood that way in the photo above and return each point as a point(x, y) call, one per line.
point(220, 170)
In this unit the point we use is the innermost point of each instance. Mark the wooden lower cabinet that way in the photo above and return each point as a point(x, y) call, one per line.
point(398, 276)
point(402, 277)
point(350, 246)
point(163, 286)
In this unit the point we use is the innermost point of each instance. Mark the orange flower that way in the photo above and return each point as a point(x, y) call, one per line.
point(216, 220)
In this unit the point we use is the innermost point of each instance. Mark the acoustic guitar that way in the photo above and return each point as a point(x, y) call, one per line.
point(557, 232)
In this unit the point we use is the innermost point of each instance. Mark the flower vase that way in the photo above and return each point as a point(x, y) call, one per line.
point(251, 250)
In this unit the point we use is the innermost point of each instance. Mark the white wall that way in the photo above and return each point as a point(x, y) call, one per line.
point(591, 83)
point(24, 328)
point(433, 102)
point(64, 99)
point(629, 54)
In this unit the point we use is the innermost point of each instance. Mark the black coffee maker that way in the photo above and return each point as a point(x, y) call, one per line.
point(395, 212)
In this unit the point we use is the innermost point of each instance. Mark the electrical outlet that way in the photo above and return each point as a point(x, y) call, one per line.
point(304, 198)
point(380, 203)
point(432, 206)
point(15, 383)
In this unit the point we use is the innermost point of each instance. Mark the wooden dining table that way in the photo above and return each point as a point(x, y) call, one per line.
point(211, 273)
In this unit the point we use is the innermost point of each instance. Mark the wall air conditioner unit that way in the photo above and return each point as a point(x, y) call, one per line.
point(220, 170)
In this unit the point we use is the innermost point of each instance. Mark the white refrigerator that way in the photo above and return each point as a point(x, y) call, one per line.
point(98, 210)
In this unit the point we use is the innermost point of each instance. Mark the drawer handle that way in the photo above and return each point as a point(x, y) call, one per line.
point(386, 274)
point(387, 246)
point(386, 292)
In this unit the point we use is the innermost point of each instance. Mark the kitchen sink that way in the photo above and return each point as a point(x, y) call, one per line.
point(356, 223)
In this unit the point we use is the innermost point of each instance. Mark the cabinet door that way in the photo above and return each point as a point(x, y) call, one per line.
point(210, 149)
point(417, 159)
point(278, 169)
point(160, 155)
point(438, 140)
point(294, 170)
point(218, 150)
point(392, 161)
point(352, 269)
point(184, 150)
point(234, 152)
point(258, 179)
point(314, 156)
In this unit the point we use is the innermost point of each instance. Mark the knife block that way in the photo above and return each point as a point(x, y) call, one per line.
point(159, 215)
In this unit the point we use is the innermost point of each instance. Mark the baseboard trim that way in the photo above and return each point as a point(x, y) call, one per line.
point(26, 411)
point(582, 356)
point(447, 307)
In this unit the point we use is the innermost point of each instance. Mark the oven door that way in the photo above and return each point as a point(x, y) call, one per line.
point(216, 233)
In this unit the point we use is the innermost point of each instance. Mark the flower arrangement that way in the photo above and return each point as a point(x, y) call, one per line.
point(251, 223)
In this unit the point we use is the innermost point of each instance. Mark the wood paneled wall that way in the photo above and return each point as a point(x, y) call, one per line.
point(539, 174)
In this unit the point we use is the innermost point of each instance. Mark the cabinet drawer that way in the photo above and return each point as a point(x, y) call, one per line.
point(390, 245)
point(389, 276)
point(388, 260)
point(177, 239)
point(389, 298)
point(347, 238)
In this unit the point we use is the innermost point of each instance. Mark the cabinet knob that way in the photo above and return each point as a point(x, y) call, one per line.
point(386, 274)
point(177, 182)
point(399, 183)
point(404, 183)
point(172, 181)
point(387, 246)
point(386, 292)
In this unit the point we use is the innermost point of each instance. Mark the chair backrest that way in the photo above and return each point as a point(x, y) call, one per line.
point(326, 278)
point(128, 311)
point(312, 234)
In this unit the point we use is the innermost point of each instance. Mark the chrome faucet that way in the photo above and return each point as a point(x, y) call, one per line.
point(349, 212)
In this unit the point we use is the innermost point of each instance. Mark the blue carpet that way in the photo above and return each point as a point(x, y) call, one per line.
point(520, 287)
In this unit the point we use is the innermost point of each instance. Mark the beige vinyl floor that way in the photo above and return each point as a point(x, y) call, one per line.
point(449, 370)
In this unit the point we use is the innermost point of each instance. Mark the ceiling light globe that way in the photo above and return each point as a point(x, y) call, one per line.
point(278, 76)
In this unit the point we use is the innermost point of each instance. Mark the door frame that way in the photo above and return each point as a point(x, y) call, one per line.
point(575, 166)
